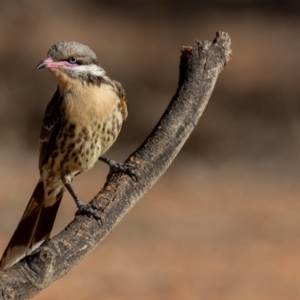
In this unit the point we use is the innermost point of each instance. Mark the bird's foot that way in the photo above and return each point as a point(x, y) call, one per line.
point(87, 209)
point(125, 167)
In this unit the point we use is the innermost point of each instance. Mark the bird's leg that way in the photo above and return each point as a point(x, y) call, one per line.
point(125, 167)
point(78, 202)
point(82, 207)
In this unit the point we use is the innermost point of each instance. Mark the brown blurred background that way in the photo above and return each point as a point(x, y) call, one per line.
point(224, 220)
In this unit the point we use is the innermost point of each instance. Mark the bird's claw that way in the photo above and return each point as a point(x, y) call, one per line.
point(126, 167)
point(87, 209)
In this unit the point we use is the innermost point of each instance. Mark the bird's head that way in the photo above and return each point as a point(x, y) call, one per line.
point(73, 59)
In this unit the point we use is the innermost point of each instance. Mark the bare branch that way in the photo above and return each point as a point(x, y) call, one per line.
point(199, 68)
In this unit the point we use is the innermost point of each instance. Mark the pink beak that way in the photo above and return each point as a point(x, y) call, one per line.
point(49, 63)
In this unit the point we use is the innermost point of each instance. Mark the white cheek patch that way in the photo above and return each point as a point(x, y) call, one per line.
point(90, 69)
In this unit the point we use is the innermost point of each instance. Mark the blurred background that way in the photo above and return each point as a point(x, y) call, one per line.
point(223, 222)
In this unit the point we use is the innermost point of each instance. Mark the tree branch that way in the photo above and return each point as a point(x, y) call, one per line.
point(199, 69)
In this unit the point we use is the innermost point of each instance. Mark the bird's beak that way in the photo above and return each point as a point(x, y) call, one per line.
point(41, 65)
point(50, 63)
point(44, 64)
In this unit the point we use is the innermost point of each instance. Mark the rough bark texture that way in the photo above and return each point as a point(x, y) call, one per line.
point(199, 69)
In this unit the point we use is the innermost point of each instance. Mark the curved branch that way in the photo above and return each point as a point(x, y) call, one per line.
point(199, 68)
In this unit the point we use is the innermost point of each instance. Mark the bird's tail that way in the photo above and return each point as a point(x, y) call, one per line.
point(34, 228)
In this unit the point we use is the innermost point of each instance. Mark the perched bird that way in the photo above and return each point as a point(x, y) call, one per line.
point(81, 122)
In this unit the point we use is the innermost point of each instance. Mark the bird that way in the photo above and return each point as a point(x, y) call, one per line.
point(81, 122)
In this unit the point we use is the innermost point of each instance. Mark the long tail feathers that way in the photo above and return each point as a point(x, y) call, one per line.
point(34, 228)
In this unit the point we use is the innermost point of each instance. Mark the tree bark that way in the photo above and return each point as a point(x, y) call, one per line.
point(199, 68)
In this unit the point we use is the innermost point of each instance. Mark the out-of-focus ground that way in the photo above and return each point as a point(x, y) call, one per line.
point(224, 220)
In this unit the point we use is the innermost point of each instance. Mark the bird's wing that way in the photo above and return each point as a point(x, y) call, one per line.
point(51, 127)
point(122, 95)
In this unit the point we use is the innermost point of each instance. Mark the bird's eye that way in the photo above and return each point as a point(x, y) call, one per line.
point(73, 59)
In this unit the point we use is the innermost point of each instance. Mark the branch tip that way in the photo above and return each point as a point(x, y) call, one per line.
point(186, 50)
point(223, 39)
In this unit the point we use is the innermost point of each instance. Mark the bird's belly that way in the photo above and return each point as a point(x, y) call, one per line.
point(83, 157)
point(79, 153)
